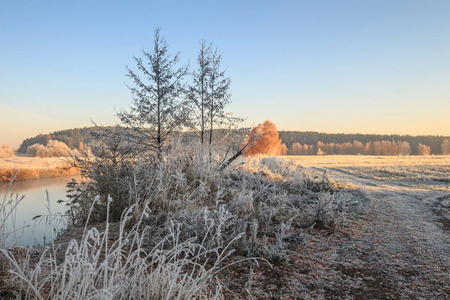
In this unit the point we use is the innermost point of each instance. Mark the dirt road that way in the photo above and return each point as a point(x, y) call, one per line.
point(401, 249)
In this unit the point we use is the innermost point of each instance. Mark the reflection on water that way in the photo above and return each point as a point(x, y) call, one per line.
point(33, 204)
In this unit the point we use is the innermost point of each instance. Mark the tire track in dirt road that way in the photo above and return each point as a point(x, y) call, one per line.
point(401, 251)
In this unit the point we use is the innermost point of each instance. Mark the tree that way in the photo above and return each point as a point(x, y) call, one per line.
point(368, 148)
point(266, 142)
point(198, 95)
point(156, 111)
point(358, 147)
point(53, 149)
point(404, 148)
point(5, 151)
point(219, 95)
point(283, 149)
point(423, 149)
point(296, 149)
point(446, 147)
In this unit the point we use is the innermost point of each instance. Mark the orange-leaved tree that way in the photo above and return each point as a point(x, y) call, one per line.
point(267, 141)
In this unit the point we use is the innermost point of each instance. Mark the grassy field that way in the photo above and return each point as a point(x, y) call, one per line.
point(369, 161)
point(33, 168)
point(423, 172)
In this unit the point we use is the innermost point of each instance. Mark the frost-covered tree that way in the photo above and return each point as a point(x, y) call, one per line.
point(156, 110)
point(358, 147)
point(219, 95)
point(423, 149)
point(368, 148)
point(296, 149)
point(198, 93)
point(52, 149)
point(403, 148)
point(446, 147)
point(6, 151)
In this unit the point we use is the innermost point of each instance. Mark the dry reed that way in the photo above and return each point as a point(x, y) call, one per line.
point(33, 168)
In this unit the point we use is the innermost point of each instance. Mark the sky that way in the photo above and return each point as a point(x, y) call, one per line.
point(329, 66)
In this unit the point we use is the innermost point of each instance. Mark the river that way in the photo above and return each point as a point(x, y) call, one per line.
point(27, 229)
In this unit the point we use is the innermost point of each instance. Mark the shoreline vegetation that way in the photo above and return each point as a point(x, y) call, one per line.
point(34, 168)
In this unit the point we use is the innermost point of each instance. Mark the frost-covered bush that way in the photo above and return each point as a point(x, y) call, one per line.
point(187, 187)
point(111, 168)
point(271, 167)
point(181, 179)
point(52, 149)
point(330, 210)
point(6, 152)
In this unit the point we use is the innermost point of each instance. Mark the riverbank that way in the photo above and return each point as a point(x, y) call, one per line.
point(34, 168)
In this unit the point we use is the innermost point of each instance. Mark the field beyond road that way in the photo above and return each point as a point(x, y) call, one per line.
point(421, 173)
point(33, 168)
point(369, 160)
point(401, 248)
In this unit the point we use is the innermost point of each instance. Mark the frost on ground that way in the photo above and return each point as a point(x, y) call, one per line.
point(401, 248)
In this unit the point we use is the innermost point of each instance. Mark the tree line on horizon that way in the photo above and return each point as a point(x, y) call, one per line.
point(393, 148)
point(302, 145)
point(312, 138)
point(269, 143)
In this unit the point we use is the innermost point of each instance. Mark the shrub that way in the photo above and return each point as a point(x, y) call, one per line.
point(53, 149)
point(6, 152)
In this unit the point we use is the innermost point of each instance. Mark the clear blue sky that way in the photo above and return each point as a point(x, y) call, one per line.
point(330, 66)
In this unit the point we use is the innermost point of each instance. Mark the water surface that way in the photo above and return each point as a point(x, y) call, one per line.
point(35, 203)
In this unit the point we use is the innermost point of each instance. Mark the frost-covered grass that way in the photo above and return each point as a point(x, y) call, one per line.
point(428, 172)
point(185, 186)
point(179, 221)
point(97, 267)
point(369, 161)
point(8, 211)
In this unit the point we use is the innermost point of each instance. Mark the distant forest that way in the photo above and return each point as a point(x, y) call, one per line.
point(312, 138)
point(73, 138)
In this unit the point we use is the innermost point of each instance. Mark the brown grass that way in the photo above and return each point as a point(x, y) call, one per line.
point(33, 168)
